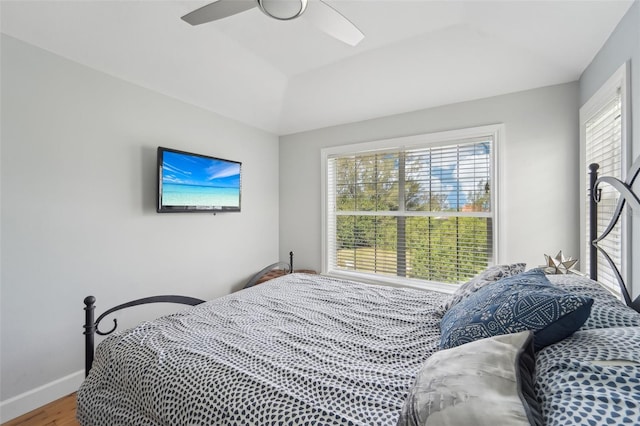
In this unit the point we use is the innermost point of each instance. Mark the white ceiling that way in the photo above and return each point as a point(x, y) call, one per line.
point(287, 77)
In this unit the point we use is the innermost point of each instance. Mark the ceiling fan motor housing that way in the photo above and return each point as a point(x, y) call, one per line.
point(283, 10)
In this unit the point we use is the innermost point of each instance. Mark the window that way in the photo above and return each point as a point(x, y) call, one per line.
point(603, 141)
point(419, 209)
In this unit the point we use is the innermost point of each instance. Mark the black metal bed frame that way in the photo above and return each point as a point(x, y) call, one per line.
point(91, 325)
point(287, 267)
point(628, 198)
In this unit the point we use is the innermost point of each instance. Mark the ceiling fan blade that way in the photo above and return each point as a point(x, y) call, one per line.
point(217, 10)
point(332, 22)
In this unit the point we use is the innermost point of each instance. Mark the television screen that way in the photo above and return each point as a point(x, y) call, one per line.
point(190, 182)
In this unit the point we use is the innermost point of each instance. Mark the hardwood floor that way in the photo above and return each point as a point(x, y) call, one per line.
point(57, 413)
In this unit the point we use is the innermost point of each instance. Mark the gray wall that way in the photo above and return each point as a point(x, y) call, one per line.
point(540, 174)
point(623, 45)
point(78, 207)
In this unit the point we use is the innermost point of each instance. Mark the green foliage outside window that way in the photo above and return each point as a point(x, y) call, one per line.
point(373, 234)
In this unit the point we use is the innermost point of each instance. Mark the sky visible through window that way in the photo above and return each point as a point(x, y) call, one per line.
point(456, 173)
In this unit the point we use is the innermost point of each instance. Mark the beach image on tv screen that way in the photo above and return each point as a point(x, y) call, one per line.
point(189, 180)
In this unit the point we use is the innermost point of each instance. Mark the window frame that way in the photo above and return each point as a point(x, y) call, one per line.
point(496, 131)
point(619, 80)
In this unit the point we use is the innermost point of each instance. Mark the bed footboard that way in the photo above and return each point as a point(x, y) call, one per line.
point(91, 325)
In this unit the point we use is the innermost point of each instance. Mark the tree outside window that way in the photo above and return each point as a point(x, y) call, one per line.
point(423, 213)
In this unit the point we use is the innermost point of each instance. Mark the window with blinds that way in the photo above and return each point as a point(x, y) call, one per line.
point(603, 145)
point(423, 213)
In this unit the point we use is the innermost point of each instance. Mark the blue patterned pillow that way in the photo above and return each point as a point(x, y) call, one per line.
point(522, 302)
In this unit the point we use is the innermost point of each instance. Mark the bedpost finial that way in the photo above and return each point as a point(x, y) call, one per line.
point(291, 262)
point(89, 300)
point(594, 166)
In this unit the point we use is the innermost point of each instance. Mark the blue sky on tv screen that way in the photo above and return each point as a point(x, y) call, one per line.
point(184, 169)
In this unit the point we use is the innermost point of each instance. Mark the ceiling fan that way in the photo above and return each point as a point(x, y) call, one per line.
point(323, 16)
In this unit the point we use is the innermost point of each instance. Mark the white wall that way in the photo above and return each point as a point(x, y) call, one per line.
point(540, 174)
point(623, 45)
point(78, 211)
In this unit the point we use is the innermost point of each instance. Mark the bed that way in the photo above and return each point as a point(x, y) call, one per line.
point(511, 346)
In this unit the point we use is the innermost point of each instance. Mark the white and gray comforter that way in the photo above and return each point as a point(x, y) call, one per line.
point(298, 350)
point(310, 350)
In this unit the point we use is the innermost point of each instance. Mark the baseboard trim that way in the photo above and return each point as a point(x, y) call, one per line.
point(35, 398)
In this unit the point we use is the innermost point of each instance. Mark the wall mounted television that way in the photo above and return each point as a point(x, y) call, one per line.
point(189, 182)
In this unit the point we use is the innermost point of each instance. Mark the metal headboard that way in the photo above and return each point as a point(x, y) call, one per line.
point(628, 198)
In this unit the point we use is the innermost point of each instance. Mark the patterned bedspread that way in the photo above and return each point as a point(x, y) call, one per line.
point(592, 377)
point(298, 350)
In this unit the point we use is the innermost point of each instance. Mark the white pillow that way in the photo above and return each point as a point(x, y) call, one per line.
point(488, 382)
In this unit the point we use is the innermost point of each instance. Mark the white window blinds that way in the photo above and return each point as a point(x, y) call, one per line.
point(424, 213)
point(603, 139)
